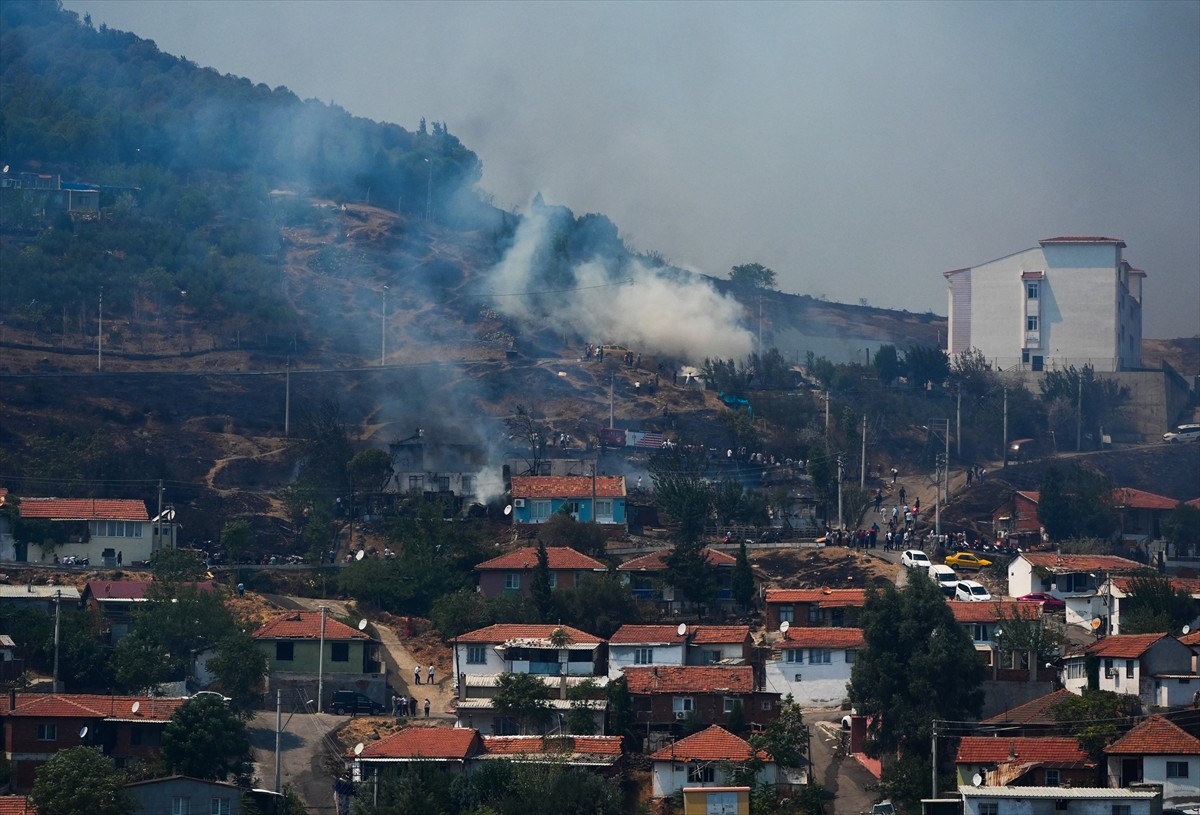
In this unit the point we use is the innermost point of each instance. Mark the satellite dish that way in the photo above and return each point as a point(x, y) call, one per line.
point(682, 629)
point(361, 554)
point(6, 168)
point(362, 624)
point(136, 707)
point(83, 732)
point(358, 748)
point(1187, 629)
point(977, 780)
point(508, 509)
point(1096, 623)
point(784, 626)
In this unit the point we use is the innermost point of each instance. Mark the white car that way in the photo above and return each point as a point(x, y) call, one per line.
point(944, 577)
point(1185, 432)
point(915, 559)
point(971, 591)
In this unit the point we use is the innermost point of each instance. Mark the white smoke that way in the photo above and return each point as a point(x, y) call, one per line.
point(653, 310)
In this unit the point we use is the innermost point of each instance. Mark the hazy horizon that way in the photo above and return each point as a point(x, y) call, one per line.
point(858, 149)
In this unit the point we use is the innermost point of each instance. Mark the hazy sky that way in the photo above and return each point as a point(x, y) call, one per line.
point(858, 149)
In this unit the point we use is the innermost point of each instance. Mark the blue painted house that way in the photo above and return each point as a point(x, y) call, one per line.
point(535, 498)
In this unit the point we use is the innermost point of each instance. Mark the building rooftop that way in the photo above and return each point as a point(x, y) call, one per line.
point(1082, 239)
point(1156, 735)
point(995, 611)
point(1035, 711)
point(426, 742)
point(30, 592)
point(558, 557)
point(131, 590)
point(1067, 564)
point(1024, 749)
point(1124, 646)
point(657, 561)
point(690, 679)
point(799, 636)
point(532, 636)
point(568, 486)
point(828, 598)
point(718, 634)
point(648, 635)
point(84, 509)
point(712, 744)
point(92, 706)
point(558, 746)
point(306, 625)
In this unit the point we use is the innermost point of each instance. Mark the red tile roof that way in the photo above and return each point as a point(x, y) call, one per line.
point(802, 637)
point(567, 486)
point(657, 561)
point(16, 805)
point(718, 634)
point(989, 612)
point(690, 679)
point(1190, 585)
point(828, 598)
point(306, 625)
point(520, 745)
point(993, 750)
point(92, 706)
point(1124, 646)
point(1082, 239)
point(1140, 499)
point(1065, 564)
point(1035, 711)
point(714, 744)
point(1157, 736)
point(131, 589)
point(647, 635)
point(84, 509)
point(558, 557)
point(427, 742)
point(1192, 639)
point(507, 632)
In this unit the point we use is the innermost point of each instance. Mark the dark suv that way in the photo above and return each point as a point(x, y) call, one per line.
point(352, 702)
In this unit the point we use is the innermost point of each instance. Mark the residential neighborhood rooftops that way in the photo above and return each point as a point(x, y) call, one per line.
point(92, 706)
point(690, 678)
point(712, 744)
point(527, 635)
point(717, 634)
point(995, 611)
point(31, 592)
point(829, 598)
point(1066, 564)
point(1035, 711)
point(1043, 750)
point(648, 635)
point(1124, 646)
point(306, 625)
point(606, 749)
point(1156, 735)
point(822, 637)
point(16, 805)
point(1189, 585)
point(1140, 499)
point(426, 742)
point(657, 561)
point(558, 557)
point(84, 509)
point(568, 486)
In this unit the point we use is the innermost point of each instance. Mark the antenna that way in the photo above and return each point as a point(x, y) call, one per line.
point(136, 707)
point(362, 624)
point(784, 626)
point(358, 748)
point(361, 554)
point(508, 509)
point(1187, 629)
point(83, 731)
point(977, 780)
point(682, 629)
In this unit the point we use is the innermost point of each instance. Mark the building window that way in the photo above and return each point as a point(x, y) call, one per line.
point(1052, 778)
point(476, 655)
point(787, 613)
point(539, 510)
point(1031, 291)
point(794, 656)
point(416, 483)
point(700, 774)
point(1177, 769)
point(1075, 670)
point(820, 656)
point(284, 651)
point(181, 806)
point(730, 703)
point(443, 483)
point(713, 656)
point(572, 507)
point(1122, 809)
point(339, 652)
point(814, 613)
point(766, 704)
point(837, 617)
point(47, 732)
point(989, 809)
point(643, 656)
point(1109, 670)
point(604, 508)
point(552, 579)
point(682, 704)
point(980, 632)
point(1129, 668)
point(468, 485)
point(512, 580)
point(1031, 323)
point(220, 806)
point(851, 655)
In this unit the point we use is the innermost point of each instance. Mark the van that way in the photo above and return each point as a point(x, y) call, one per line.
point(944, 577)
point(352, 702)
point(1024, 449)
point(1183, 433)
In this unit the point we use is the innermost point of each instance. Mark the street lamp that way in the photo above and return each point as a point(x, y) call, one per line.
point(429, 193)
point(383, 328)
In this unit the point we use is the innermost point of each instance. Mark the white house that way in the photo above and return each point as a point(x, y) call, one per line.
point(813, 664)
point(1158, 751)
point(1068, 301)
point(642, 645)
point(108, 531)
point(1157, 668)
point(1075, 579)
point(985, 621)
point(1058, 801)
point(1118, 588)
point(703, 760)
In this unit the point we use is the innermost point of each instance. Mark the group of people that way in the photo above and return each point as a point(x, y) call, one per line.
point(417, 674)
point(404, 706)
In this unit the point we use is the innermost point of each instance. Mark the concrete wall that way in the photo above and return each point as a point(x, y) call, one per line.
point(297, 686)
point(621, 657)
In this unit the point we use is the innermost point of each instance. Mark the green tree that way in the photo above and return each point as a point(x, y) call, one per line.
point(561, 529)
point(1027, 634)
point(1084, 400)
point(926, 366)
point(681, 491)
point(236, 538)
point(787, 738)
point(1181, 528)
point(743, 578)
point(178, 566)
point(1097, 717)
point(240, 667)
point(584, 701)
point(530, 435)
point(1077, 503)
point(1155, 605)
point(539, 584)
point(752, 274)
point(971, 374)
point(205, 738)
point(370, 470)
point(80, 781)
point(692, 576)
point(887, 364)
point(524, 698)
point(599, 603)
point(325, 449)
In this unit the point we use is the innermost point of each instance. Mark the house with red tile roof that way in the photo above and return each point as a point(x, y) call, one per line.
point(536, 498)
point(984, 621)
point(1074, 579)
point(664, 696)
point(1158, 751)
point(814, 607)
point(638, 645)
point(16, 805)
point(1045, 761)
point(115, 601)
point(647, 579)
point(1157, 668)
point(813, 664)
point(1032, 718)
point(107, 531)
point(704, 759)
point(38, 725)
point(1141, 515)
point(561, 656)
point(600, 753)
point(1118, 589)
point(512, 573)
point(204, 795)
point(309, 650)
point(447, 746)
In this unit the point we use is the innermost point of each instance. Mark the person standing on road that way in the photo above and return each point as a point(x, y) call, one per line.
point(404, 706)
point(430, 674)
point(395, 706)
point(427, 706)
point(416, 674)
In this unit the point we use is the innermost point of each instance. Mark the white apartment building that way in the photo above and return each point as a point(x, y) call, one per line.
point(1068, 301)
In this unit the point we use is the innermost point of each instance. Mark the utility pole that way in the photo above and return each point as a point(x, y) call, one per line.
point(100, 333)
point(321, 663)
point(1004, 452)
point(937, 491)
point(933, 772)
point(278, 731)
point(611, 381)
point(57, 607)
point(862, 470)
point(958, 424)
point(287, 398)
point(383, 328)
point(841, 525)
point(157, 544)
point(827, 417)
point(1079, 417)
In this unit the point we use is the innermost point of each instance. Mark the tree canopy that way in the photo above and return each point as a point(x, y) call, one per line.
point(752, 274)
point(1077, 503)
point(205, 738)
point(80, 781)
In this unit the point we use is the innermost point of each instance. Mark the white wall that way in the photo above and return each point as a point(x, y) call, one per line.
point(818, 686)
point(669, 777)
point(621, 657)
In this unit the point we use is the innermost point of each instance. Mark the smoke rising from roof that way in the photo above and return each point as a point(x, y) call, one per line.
point(610, 299)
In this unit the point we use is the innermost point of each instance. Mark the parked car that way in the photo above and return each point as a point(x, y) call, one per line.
point(352, 702)
point(972, 592)
point(1024, 450)
point(967, 560)
point(915, 559)
point(1049, 601)
point(1183, 433)
point(945, 577)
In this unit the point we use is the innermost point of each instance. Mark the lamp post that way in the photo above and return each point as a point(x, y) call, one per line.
point(383, 327)
point(429, 193)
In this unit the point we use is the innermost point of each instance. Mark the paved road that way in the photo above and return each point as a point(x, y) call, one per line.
point(849, 788)
point(306, 745)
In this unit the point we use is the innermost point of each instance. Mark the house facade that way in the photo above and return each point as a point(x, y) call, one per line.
point(599, 499)
point(1119, 589)
point(837, 608)
point(512, 573)
point(813, 664)
point(1068, 301)
point(1157, 668)
point(992, 800)
point(647, 578)
point(1047, 761)
point(109, 532)
point(663, 697)
point(308, 650)
point(115, 601)
point(1158, 751)
point(179, 793)
point(633, 646)
point(1075, 579)
point(705, 759)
